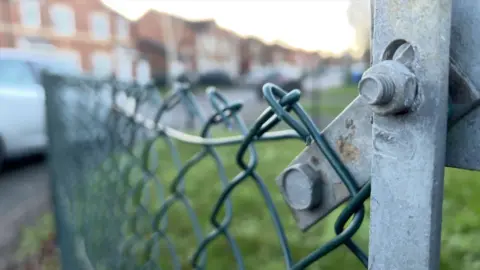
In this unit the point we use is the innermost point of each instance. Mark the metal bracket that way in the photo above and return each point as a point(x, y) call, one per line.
point(350, 134)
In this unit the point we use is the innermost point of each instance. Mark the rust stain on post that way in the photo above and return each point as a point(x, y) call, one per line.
point(348, 151)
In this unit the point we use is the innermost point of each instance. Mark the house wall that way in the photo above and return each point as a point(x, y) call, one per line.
point(180, 41)
point(79, 45)
point(218, 49)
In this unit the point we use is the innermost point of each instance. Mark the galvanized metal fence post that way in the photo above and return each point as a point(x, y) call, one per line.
point(409, 148)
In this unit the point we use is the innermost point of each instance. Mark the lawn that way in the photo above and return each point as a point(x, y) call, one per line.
point(252, 227)
point(331, 102)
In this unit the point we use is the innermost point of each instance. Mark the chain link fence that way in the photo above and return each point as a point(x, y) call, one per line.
point(115, 206)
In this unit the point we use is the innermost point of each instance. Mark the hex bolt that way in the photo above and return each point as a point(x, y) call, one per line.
point(377, 89)
point(389, 87)
point(301, 187)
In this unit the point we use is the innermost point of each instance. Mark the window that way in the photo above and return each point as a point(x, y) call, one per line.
point(30, 13)
point(224, 46)
point(15, 72)
point(101, 64)
point(124, 64)
point(256, 49)
point(143, 71)
point(209, 43)
point(100, 25)
point(278, 57)
point(63, 19)
point(123, 28)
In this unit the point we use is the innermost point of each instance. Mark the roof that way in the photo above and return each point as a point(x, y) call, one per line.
point(254, 39)
point(155, 12)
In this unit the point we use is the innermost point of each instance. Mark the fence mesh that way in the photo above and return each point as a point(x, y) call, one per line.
point(120, 180)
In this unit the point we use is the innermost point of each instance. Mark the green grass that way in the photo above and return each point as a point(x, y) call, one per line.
point(34, 239)
point(333, 101)
point(252, 227)
point(254, 232)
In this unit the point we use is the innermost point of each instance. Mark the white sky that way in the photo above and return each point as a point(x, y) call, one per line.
point(312, 25)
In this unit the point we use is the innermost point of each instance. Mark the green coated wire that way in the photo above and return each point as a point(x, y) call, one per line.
point(127, 129)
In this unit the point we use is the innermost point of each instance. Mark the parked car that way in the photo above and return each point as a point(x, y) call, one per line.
point(215, 78)
point(22, 100)
point(282, 79)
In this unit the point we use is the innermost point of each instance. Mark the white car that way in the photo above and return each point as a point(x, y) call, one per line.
point(22, 100)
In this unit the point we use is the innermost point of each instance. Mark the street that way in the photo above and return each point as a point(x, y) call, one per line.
point(24, 197)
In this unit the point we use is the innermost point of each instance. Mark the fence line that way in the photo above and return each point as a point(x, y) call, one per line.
point(104, 162)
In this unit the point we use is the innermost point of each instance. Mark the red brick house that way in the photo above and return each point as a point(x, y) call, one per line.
point(307, 60)
point(216, 48)
point(93, 36)
point(162, 36)
point(314, 60)
point(253, 54)
point(281, 54)
point(301, 58)
point(7, 38)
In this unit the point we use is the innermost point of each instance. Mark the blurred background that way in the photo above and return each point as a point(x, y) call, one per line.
point(319, 47)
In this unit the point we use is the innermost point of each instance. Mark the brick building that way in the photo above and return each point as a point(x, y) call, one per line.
point(307, 60)
point(93, 36)
point(164, 38)
point(254, 54)
point(100, 41)
point(216, 48)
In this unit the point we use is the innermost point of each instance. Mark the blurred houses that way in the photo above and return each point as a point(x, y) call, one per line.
point(93, 37)
point(253, 55)
point(217, 49)
point(100, 41)
point(168, 42)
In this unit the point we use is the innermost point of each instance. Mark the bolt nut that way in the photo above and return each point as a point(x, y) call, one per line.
point(377, 90)
point(301, 187)
point(389, 87)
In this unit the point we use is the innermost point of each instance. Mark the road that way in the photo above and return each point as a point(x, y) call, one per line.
point(24, 185)
point(24, 196)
